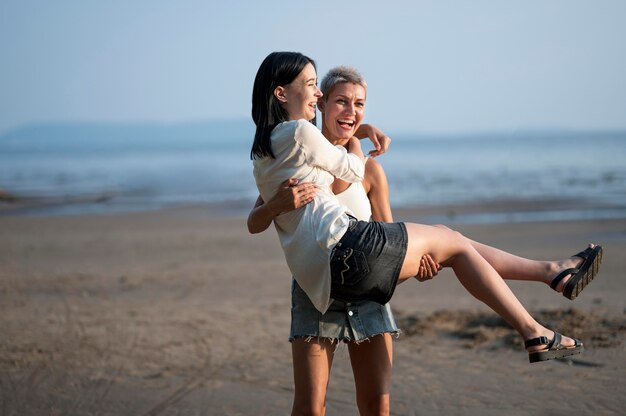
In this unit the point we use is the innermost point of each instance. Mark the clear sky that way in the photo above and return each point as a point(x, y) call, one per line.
point(432, 66)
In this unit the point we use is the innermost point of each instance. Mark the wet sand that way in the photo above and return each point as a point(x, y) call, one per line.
point(183, 312)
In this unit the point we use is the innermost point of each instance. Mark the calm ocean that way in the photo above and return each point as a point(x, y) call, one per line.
point(87, 170)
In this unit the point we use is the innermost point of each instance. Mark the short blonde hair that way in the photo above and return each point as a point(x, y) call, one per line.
point(339, 75)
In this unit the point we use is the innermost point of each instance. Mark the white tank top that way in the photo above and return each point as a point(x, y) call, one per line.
point(355, 198)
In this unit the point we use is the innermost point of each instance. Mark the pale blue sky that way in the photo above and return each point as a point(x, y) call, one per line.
point(431, 66)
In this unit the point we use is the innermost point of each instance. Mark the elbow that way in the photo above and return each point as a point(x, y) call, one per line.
point(256, 228)
point(252, 229)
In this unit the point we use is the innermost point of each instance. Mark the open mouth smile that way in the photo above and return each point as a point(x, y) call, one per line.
point(347, 124)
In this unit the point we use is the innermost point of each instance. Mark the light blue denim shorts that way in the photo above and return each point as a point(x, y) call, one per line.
point(343, 321)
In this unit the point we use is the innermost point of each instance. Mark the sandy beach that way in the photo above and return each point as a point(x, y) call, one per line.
point(182, 312)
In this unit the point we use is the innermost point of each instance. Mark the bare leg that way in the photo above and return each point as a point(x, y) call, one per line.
point(512, 267)
point(312, 360)
point(474, 272)
point(371, 365)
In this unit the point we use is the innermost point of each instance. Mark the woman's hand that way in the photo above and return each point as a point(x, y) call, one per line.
point(379, 139)
point(428, 268)
point(292, 195)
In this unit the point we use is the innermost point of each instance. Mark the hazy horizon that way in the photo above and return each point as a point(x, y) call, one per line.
point(233, 126)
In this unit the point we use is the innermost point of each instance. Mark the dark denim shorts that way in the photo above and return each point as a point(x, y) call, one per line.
point(365, 264)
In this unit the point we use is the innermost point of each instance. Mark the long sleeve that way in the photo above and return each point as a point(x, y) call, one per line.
point(320, 153)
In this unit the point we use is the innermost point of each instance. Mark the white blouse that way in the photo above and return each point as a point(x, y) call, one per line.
point(308, 234)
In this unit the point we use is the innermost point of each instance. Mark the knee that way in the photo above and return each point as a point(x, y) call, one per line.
point(452, 233)
point(457, 239)
point(374, 405)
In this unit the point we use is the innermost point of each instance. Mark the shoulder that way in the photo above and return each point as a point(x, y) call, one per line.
point(304, 127)
point(374, 169)
point(285, 133)
point(307, 134)
point(374, 174)
point(285, 126)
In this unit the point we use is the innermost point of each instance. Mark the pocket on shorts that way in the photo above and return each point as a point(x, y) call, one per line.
point(348, 266)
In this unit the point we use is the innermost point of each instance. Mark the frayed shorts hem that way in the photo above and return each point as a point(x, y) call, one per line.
point(333, 340)
point(347, 322)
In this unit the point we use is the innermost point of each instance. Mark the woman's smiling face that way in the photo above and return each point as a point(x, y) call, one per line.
point(342, 111)
point(300, 97)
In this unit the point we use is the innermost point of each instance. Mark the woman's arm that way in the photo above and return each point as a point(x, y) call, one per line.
point(260, 217)
point(377, 189)
point(354, 147)
point(290, 196)
point(379, 139)
point(318, 152)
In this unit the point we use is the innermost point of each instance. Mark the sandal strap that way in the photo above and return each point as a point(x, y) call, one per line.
point(561, 276)
point(584, 254)
point(536, 341)
point(552, 344)
point(556, 342)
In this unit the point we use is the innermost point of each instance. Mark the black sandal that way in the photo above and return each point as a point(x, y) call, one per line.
point(554, 349)
point(592, 257)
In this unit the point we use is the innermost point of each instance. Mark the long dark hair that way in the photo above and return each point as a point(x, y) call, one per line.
point(277, 69)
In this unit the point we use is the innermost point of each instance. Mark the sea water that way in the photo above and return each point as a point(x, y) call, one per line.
point(141, 172)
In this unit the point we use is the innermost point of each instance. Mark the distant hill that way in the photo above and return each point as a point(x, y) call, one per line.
point(50, 137)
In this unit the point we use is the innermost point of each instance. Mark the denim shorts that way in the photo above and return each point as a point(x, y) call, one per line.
point(343, 321)
point(365, 264)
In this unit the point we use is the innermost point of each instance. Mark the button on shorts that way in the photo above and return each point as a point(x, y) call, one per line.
point(343, 321)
